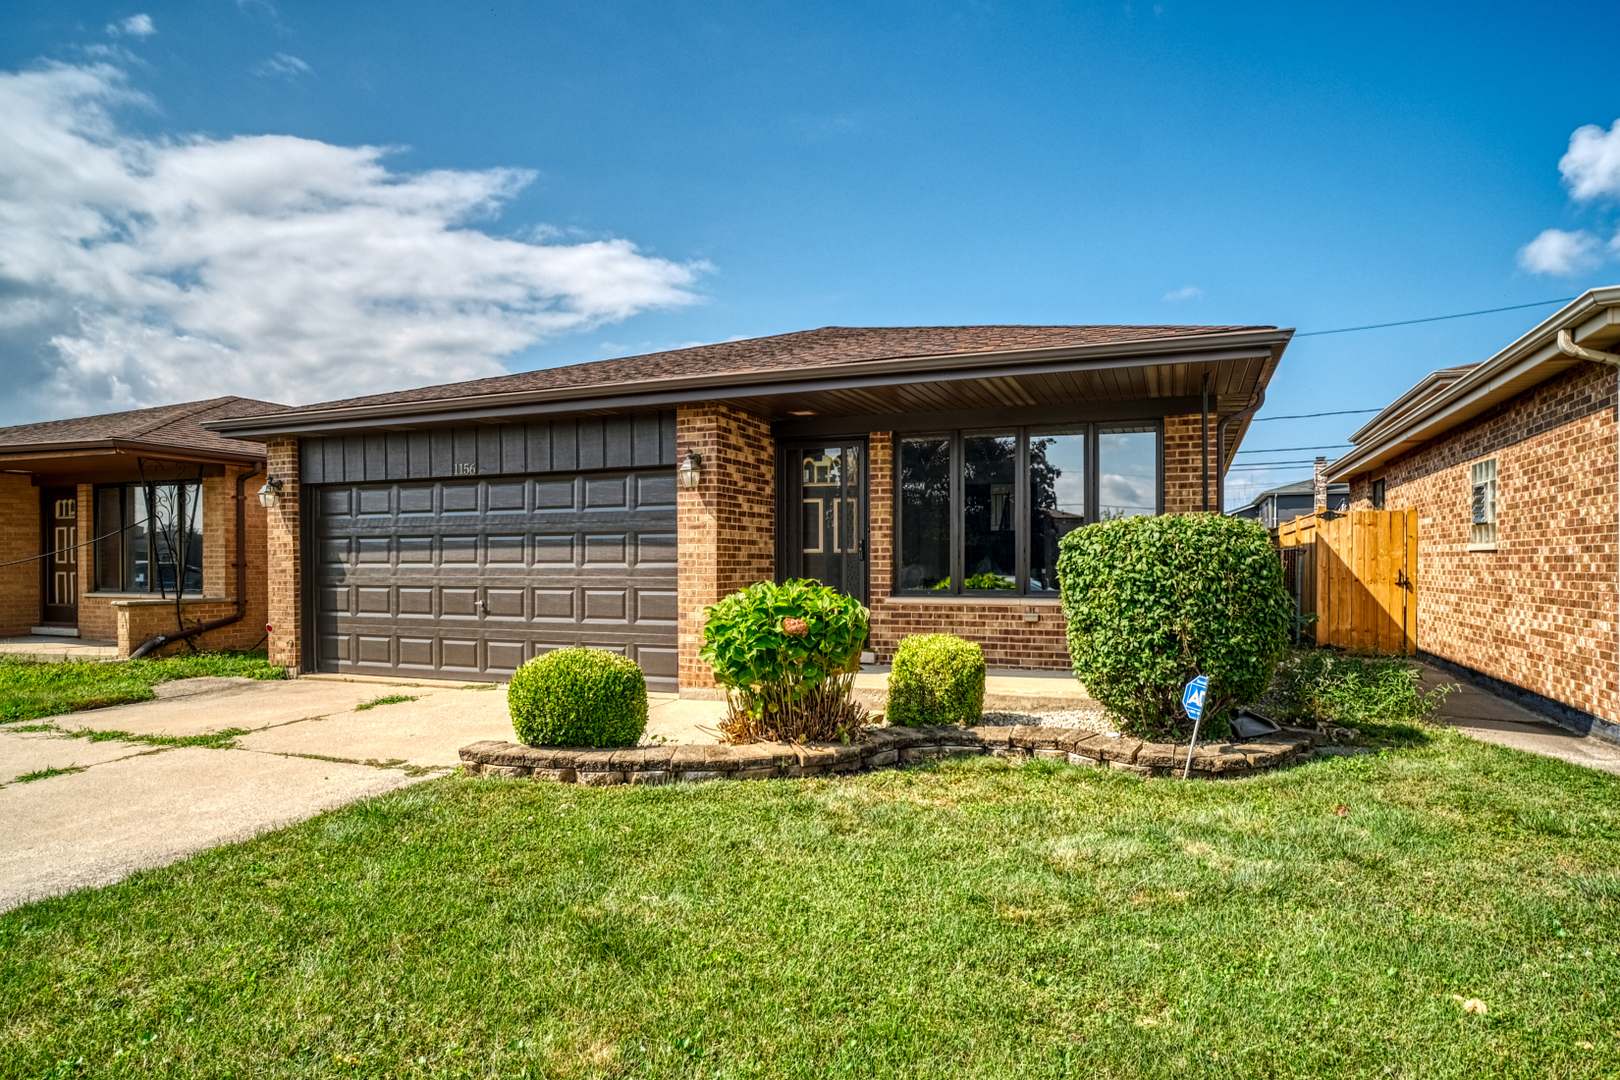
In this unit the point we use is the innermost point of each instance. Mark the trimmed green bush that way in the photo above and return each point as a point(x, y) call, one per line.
point(1152, 602)
point(936, 679)
point(787, 655)
point(578, 697)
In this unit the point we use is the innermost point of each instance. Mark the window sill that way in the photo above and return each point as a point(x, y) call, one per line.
point(141, 599)
point(1481, 547)
point(999, 601)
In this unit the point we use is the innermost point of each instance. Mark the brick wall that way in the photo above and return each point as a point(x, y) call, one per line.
point(19, 539)
point(726, 526)
point(1183, 458)
point(284, 572)
point(1540, 611)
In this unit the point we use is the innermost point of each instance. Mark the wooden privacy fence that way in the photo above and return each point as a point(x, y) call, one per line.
point(1357, 572)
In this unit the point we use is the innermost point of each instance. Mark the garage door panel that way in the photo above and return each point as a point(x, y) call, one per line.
point(468, 578)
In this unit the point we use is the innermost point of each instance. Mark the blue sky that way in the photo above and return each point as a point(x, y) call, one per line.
point(732, 170)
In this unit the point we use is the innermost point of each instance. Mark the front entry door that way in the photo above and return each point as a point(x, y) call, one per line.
point(828, 537)
point(59, 514)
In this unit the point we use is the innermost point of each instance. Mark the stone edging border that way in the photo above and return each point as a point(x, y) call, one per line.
point(882, 747)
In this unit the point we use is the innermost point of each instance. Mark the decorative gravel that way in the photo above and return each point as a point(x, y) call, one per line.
point(1091, 718)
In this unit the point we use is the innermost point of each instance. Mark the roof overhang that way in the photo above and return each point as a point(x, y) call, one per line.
point(111, 459)
point(958, 380)
point(1435, 406)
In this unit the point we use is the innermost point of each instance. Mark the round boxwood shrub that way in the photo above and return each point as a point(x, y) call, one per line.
point(1152, 602)
point(578, 697)
point(936, 679)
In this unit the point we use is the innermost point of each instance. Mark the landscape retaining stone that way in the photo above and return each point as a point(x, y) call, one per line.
point(879, 748)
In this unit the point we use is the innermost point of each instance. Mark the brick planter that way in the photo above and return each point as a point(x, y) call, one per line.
point(884, 747)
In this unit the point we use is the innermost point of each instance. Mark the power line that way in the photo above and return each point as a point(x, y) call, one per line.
point(1434, 318)
point(1291, 449)
point(1309, 415)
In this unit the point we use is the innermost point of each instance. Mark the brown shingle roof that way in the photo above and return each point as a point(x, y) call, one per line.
point(828, 346)
point(177, 425)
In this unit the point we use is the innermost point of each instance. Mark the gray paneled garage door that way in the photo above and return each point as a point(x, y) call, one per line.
point(469, 578)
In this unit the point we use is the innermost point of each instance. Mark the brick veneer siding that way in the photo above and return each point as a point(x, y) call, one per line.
point(1539, 612)
point(726, 527)
point(19, 539)
point(285, 572)
point(1183, 458)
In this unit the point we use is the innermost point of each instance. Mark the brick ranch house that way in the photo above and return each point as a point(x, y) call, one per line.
point(456, 531)
point(105, 517)
point(1511, 464)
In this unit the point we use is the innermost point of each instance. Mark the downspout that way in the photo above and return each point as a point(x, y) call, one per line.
point(241, 578)
point(1567, 346)
point(1204, 471)
point(1253, 407)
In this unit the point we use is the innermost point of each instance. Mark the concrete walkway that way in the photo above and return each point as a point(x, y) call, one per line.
point(51, 648)
point(1482, 715)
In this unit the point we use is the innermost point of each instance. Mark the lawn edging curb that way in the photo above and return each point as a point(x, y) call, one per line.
point(882, 747)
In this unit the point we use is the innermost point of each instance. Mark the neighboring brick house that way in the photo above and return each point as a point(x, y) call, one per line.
point(104, 518)
point(456, 531)
point(1512, 466)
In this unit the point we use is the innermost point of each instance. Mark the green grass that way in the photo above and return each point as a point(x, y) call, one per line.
point(968, 919)
point(30, 689)
point(46, 773)
point(387, 699)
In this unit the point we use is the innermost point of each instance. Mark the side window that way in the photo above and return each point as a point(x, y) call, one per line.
point(1378, 494)
point(1482, 523)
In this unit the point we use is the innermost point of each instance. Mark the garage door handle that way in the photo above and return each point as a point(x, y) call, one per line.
point(479, 606)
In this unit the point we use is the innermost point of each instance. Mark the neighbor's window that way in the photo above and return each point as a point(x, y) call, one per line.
point(145, 532)
point(1378, 494)
point(983, 512)
point(1482, 530)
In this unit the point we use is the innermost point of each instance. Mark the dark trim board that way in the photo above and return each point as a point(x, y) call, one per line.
point(1567, 717)
point(626, 441)
point(816, 427)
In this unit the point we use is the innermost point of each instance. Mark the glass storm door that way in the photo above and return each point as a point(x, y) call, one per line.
point(829, 505)
point(60, 517)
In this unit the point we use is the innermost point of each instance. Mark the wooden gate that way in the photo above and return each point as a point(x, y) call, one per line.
point(1359, 575)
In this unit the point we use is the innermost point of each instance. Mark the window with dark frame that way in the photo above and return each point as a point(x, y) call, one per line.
point(144, 531)
point(983, 512)
point(1378, 494)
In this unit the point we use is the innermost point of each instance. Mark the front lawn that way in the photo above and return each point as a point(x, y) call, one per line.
point(973, 918)
point(30, 689)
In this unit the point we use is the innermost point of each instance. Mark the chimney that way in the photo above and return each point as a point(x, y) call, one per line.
point(1319, 475)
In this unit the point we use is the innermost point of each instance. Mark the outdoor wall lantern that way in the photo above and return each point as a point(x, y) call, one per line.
point(270, 494)
point(691, 470)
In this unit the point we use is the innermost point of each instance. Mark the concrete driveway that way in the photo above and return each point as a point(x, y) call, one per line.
point(78, 813)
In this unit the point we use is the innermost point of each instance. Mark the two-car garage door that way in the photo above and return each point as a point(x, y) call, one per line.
point(469, 578)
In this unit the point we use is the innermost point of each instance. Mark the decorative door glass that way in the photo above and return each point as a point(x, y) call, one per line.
point(832, 518)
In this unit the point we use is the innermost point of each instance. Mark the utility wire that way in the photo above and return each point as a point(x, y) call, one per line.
point(1291, 449)
point(1310, 415)
point(75, 547)
point(1432, 318)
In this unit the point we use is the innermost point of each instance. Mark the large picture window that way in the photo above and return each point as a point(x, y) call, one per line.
point(150, 538)
point(982, 512)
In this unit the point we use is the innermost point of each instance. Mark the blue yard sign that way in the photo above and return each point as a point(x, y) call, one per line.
point(1192, 698)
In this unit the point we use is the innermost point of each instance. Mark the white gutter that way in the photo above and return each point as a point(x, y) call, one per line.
point(1567, 346)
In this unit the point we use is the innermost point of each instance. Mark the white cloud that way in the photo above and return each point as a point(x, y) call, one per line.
point(1560, 253)
point(283, 64)
point(134, 26)
point(135, 271)
point(1189, 292)
point(1591, 166)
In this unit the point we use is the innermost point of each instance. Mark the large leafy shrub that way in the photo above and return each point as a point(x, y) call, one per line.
point(578, 697)
point(1324, 684)
point(787, 655)
point(1153, 601)
point(936, 679)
